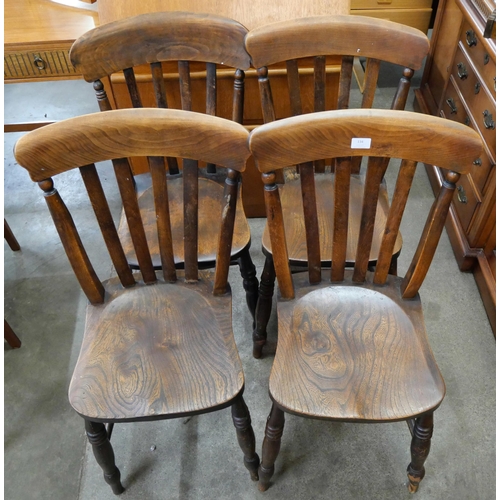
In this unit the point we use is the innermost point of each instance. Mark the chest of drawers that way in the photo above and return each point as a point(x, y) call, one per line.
point(459, 83)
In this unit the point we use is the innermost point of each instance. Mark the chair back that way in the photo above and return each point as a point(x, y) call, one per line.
point(173, 54)
point(379, 135)
point(114, 135)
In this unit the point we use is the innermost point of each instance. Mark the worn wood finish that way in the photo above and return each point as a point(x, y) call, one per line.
point(141, 132)
point(325, 42)
point(389, 138)
point(354, 347)
point(164, 349)
point(153, 37)
point(340, 35)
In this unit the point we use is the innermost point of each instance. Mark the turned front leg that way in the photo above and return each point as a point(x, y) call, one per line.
point(264, 306)
point(103, 452)
point(250, 281)
point(420, 447)
point(271, 446)
point(246, 437)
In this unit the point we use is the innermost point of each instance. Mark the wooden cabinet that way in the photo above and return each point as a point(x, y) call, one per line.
point(415, 13)
point(459, 83)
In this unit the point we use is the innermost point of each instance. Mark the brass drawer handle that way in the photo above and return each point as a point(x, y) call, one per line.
point(467, 121)
point(462, 197)
point(470, 38)
point(39, 62)
point(452, 105)
point(488, 121)
point(477, 88)
point(486, 58)
point(462, 71)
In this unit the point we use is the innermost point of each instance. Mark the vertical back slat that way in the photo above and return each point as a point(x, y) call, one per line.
point(72, 244)
point(223, 258)
point(190, 188)
point(374, 175)
point(211, 100)
point(340, 217)
point(106, 223)
point(276, 225)
point(319, 96)
point(401, 96)
point(311, 221)
point(161, 102)
point(430, 237)
point(292, 74)
point(185, 85)
point(371, 78)
point(132, 87)
point(238, 96)
point(102, 96)
point(134, 220)
point(267, 105)
point(345, 82)
point(399, 199)
point(160, 194)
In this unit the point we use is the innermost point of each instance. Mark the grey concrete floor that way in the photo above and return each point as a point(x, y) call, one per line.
point(46, 454)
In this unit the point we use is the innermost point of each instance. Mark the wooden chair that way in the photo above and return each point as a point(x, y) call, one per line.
point(180, 50)
point(157, 345)
point(352, 344)
point(333, 42)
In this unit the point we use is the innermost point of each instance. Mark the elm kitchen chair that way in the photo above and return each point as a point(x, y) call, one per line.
point(352, 344)
point(164, 58)
point(330, 41)
point(158, 344)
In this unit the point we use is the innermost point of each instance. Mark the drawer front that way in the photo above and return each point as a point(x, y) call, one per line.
point(37, 64)
point(416, 18)
point(466, 200)
point(481, 169)
point(391, 4)
point(471, 44)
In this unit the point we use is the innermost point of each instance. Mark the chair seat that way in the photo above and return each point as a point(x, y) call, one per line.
point(354, 352)
point(291, 202)
point(156, 351)
point(210, 194)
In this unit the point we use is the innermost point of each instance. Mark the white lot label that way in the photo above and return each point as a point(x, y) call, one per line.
point(361, 143)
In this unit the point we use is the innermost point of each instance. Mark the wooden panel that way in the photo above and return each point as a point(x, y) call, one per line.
point(466, 200)
point(390, 4)
point(250, 14)
point(417, 18)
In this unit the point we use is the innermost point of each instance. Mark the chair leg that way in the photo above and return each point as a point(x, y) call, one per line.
point(9, 236)
point(264, 306)
point(271, 446)
point(420, 447)
point(9, 335)
point(246, 437)
point(250, 281)
point(103, 452)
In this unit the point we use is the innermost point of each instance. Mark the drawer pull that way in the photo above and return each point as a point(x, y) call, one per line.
point(478, 162)
point(470, 38)
point(467, 121)
point(477, 88)
point(451, 104)
point(489, 123)
point(486, 58)
point(39, 62)
point(462, 71)
point(462, 197)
